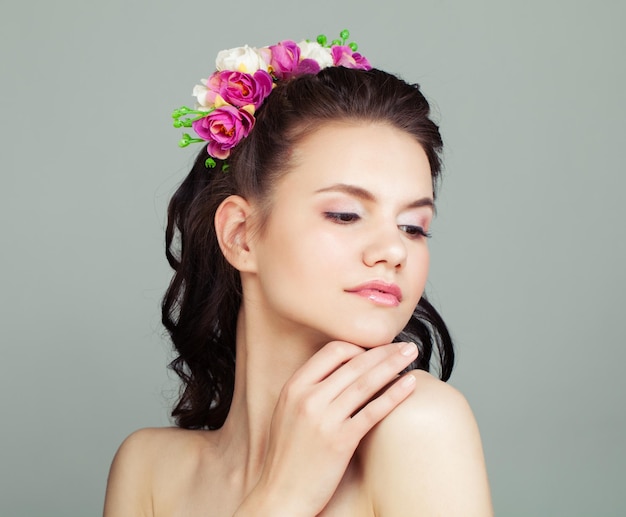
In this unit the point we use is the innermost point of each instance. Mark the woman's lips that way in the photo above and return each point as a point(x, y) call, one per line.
point(379, 292)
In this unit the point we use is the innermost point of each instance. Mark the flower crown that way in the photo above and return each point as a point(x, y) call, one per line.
point(244, 77)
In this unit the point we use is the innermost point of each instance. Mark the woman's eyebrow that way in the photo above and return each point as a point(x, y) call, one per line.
point(366, 195)
point(353, 190)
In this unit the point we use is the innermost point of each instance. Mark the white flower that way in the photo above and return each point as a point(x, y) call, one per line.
point(313, 50)
point(241, 59)
point(200, 93)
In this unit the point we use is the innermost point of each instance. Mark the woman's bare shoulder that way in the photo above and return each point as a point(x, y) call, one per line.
point(154, 448)
point(147, 459)
point(431, 401)
point(427, 457)
point(433, 411)
point(159, 439)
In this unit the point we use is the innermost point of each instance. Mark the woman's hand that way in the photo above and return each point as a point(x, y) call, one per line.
point(322, 414)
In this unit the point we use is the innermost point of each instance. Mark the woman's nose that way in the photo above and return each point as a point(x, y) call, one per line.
point(386, 246)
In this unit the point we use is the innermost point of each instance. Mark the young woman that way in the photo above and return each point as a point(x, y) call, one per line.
point(299, 244)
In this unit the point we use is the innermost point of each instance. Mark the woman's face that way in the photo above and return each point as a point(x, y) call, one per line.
point(343, 253)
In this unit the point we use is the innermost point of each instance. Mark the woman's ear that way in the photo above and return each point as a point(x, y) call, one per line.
point(233, 229)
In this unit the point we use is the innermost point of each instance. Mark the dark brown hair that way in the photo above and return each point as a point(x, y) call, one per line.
point(201, 305)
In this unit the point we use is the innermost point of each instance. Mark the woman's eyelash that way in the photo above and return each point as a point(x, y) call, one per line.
point(415, 231)
point(350, 217)
point(342, 217)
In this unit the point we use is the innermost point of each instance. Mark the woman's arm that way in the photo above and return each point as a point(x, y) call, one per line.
point(426, 457)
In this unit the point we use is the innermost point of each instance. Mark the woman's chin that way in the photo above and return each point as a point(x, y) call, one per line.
point(370, 338)
point(365, 336)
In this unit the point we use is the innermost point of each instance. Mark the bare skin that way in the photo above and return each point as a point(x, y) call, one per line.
point(175, 472)
point(319, 425)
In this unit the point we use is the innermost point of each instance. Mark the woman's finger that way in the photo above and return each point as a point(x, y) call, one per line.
point(379, 407)
point(361, 377)
point(372, 381)
point(325, 361)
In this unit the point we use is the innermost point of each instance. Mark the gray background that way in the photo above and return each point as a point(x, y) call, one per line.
point(528, 253)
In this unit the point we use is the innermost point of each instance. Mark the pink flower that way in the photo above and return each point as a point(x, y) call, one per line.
point(285, 61)
point(238, 88)
point(307, 66)
point(285, 58)
point(344, 56)
point(224, 128)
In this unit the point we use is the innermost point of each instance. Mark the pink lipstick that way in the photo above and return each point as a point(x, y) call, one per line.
point(379, 292)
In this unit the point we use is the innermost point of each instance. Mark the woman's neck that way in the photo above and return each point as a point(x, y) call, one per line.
point(267, 356)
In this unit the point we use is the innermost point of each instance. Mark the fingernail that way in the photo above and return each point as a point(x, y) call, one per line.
point(408, 349)
point(408, 380)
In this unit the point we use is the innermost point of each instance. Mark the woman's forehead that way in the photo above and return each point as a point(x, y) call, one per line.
point(360, 153)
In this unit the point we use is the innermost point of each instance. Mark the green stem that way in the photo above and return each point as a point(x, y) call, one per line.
point(188, 139)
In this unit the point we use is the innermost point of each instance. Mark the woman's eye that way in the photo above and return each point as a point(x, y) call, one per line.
point(342, 217)
point(414, 231)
